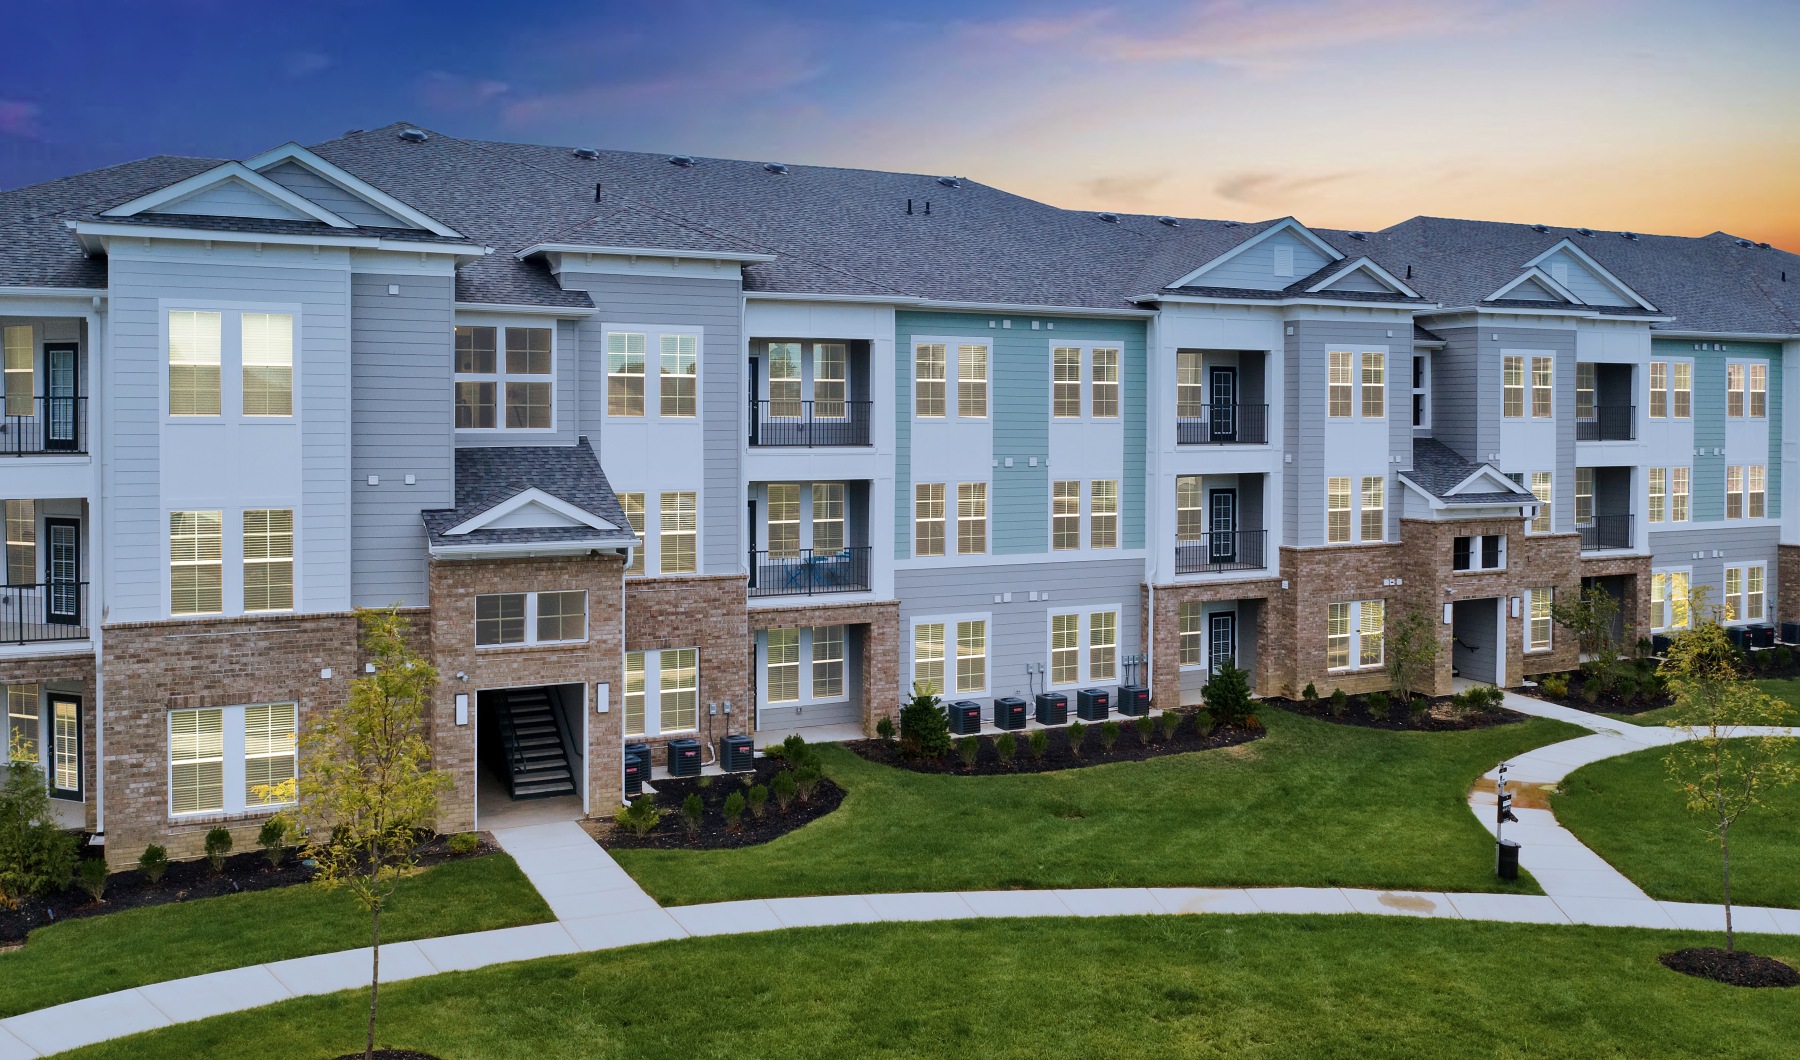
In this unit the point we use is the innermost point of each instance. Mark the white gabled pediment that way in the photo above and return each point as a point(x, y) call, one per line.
point(1536, 285)
point(531, 509)
point(229, 190)
point(1485, 479)
point(1586, 279)
point(332, 187)
point(1363, 276)
point(1271, 260)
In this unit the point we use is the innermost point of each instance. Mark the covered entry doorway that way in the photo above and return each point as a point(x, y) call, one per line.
point(530, 755)
point(1477, 652)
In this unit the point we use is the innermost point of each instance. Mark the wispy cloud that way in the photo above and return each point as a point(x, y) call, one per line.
point(1123, 189)
point(1262, 188)
point(19, 118)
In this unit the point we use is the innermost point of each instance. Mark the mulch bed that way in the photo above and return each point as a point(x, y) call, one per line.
point(1195, 734)
point(1603, 702)
point(671, 832)
point(1442, 716)
point(185, 881)
point(391, 1054)
point(1736, 968)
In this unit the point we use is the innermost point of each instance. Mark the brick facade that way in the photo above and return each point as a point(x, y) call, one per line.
point(1787, 584)
point(708, 612)
point(1162, 614)
point(74, 673)
point(880, 625)
point(1318, 577)
point(1634, 604)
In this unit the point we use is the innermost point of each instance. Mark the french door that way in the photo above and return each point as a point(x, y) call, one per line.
point(62, 572)
point(1222, 390)
point(1222, 526)
point(62, 384)
point(1221, 645)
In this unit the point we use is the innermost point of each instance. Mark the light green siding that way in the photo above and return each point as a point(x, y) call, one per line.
point(1709, 418)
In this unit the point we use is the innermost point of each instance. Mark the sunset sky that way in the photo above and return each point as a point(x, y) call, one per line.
point(1659, 116)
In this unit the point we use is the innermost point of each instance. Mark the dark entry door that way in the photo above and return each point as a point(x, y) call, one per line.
point(1222, 639)
point(61, 409)
point(1222, 526)
point(62, 572)
point(1223, 391)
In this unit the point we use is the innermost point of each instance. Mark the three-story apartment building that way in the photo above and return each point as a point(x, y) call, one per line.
point(655, 447)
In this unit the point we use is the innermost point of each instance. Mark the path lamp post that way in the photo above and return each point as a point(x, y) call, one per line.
point(1506, 852)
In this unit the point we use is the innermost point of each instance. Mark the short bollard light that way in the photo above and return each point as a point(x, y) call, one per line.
point(1506, 852)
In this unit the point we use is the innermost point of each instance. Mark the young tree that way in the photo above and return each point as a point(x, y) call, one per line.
point(1227, 696)
point(924, 730)
point(36, 855)
point(1590, 616)
point(368, 793)
point(1727, 764)
point(1412, 649)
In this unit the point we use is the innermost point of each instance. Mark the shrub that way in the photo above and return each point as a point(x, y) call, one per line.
point(1590, 692)
point(1377, 702)
point(36, 856)
point(1006, 745)
point(1556, 686)
point(1309, 695)
point(92, 877)
point(758, 799)
point(639, 816)
point(1783, 658)
point(1109, 735)
point(774, 751)
point(1418, 706)
point(1339, 703)
point(218, 848)
point(153, 862)
point(1144, 726)
point(797, 752)
point(924, 731)
point(273, 839)
point(1171, 722)
point(703, 783)
point(462, 844)
point(692, 812)
point(783, 788)
point(966, 749)
point(734, 810)
point(884, 729)
point(1077, 733)
point(1037, 742)
point(806, 779)
point(1227, 695)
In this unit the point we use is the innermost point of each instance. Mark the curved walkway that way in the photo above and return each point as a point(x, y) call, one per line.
point(599, 907)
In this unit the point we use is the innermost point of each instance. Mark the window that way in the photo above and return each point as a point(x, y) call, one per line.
point(1734, 589)
point(1103, 645)
point(1370, 631)
point(194, 348)
point(784, 665)
point(1584, 496)
point(928, 519)
point(1065, 384)
point(828, 662)
point(680, 702)
point(1337, 637)
point(680, 523)
point(624, 373)
point(1354, 634)
point(928, 655)
point(1659, 389)
point(196, 761)
point(562, 616)
point(784, 520)
point(1541, 488)
point(633, 503)
point(475, 352)
point(929, 365)
point(971, 381)
point(680, 375)
point(203, 778)
point(1106, 383)
point(1753, 594)
point(1584, 390)
point(21, 542)
point(1678, 599)
point(1190, 386)
point(22, 722)
point(1759, 390)
point(1421, 392)
point(1065, 649)
point(831, 367)
point(270, 758)
point(1678, 495)
point(971, 656)
point(528, 401)
point(269, 559)
point(1341, 373)
point(65, 747)
point(1512, 387)
point(634, 693)
point(1373, 513)
point(1659, 491)
point(268, 364)
point(521, 381)
point(1065, 515)
point(1103, 513)
point(1734, 390)
point(1190, 509)
point(196, 563)
point(784, 381)
point(1374, 385)
point(1682, 390)
point(1659, 592)
point(827, 517)
point(971, 518)
point(500, 619)
point(20, 364)
point(1193, 634)
point(1756, 504)
point(1486, 552)
point(1543, 379)
point(1537, 634)
point(1734, 492)
point(530, 618)
point(1337, 509)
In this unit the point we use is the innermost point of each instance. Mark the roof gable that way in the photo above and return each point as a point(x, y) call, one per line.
point(330, 186)
point(1535, 285)
point(531, 509)
point(1589, 281)
point(1268, 261)
point(229, 190)
point(1363, 276)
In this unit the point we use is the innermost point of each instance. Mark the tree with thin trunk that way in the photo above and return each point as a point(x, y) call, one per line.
point(1727, 761)
point(369, 795)
point(1412, 649)
point(1590, 616)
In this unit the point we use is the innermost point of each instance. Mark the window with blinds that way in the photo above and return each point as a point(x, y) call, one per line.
point(20, 369)
point(268, 364)
point(1103, 645)
point(625, 373)
point(21, 542)
point(928, 655)
point(634, 693)
point(680, 527)
point(971, 657)
point(783, 652)
point(680, 375)
point(1065, 385)
point(930, 364)
point(827, 517)
point(784, 520)
point(1065, 649)
point(196, 761)
point(680, 707)
point(1105, 389)
point(928, 519)
point(972, 381)
point(1065, 515)
point(196, 563)
point(1192, 621)
point(828, 662)
point(971, 518)
point(270, 754)
point(1103, 513)
point(269, 559)
point(831, 367)
point(194, 359)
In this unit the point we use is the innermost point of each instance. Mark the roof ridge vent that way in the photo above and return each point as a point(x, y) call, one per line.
point(1109, 218)
point(776, 168)
point(1745, 243)
point(1170, 221)
point(586, 154)
point(1233, 224)
point(1540, 229)
point(1765, 246)
point(1585, 231)
point(414, 136)
point(950, 182)
point(1629, 235)
point(1357, 235)
point(684, 161)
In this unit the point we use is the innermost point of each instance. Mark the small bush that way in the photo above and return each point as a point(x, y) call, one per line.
point(1037, 743)
point(462, 844)
point(1109, 735)
point(218, 848)
point(1783, 658)
point(92, 877)
point(36, 855)
point(884, 729)
point(758, 799)
point(1227, 695)
point(966, 750)
point(1077, 733)
point(806, 779)
point(639, 816)
point(734, 811)
point(1556, 686)
point(1171, 723)
point(924, 730)
point(273, 839)
point(692, 812)
point(1006, 745)
point(1309, 695)
point(1377, 702)
point(774, 751)
point(1144, 726)
point(153, 862)
point(783, 788)
point(1590, 692)
point(797, 752)
point(1339, 703)
point(703, 783)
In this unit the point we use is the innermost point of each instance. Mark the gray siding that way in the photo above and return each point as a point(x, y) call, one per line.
point(302, 181)
point(401, 425)
point(1739, 545)
point(1254, 269)
point(1461, 393)
point(1307, 386)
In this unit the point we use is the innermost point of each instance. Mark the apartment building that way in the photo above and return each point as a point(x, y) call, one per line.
point(656, 447)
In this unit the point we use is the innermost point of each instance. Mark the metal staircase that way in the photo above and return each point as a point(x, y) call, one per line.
point(535, 742)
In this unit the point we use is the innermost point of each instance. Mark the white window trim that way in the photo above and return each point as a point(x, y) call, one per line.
point(1549, 644)
point(1356, 636)
point(1744, 570)
point(231, 360)
point(949, 693)
point(1424, 423)
point(1085, 382)
point(531, 616)
point(653, 727)
point(653, 334)
point(235, 804)
point(808, 637)
point(231, 578)
point(499, 377)
point(1083, 630)
point(952, 359)
point(1475, 554)
point(1667, 612)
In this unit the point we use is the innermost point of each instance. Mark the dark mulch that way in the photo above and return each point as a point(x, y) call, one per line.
point(1195, 734)
point(185, 881)
point(1609, 701)
point(1443, 715)
point(1736, 968)
point(391, 1054)
point(671, 832)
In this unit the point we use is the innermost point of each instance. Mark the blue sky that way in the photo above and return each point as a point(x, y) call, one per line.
point(1659, 115)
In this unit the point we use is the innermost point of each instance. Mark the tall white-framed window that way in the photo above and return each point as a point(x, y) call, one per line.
point(24, 722)
point(196, 563)
point(1105, 387)
point(1512, 386)
point(928, 519)
point(528, 618)
point(930, 367)
point(1191, 624)
point(827, 517)
point(195, 357)
point(951, 654)
point(782, 648)
point(268, 559)
point(232, 760)
point(1341, 374)
point(1103, 513)
point(1538, 620)
point(634, 693)
point(827, 662)
point(1337, 509)
point(268, 363)
point(20, 347)
point(662, 692)
point(1744, 599)
point(1190, 509)
point(972, 381)
point(1668, 600)
point(831, 380)
point(1190, 385)
point(971, 518)
point(784, 520)
point(1103, 645)
point(1374, 385)
point(1758, 385)
point(1421, 391)
point(1065, 382)
point(1658, 480)
point(1734, 390)
point(1542, 487)
point(1065, 515)
point(1681, 389)
point(1659, 390)
point(505, 377)
point(1734, 492)
point(680, 371)
point(1084, 646)
point(625, 373)
point(1065, 649)
point(971, 657)
point(21, 542)
point(1678, 494)
point(677, 548)
point(1584, 496)
point(1756, 487)
point(1543, 386)
point(1355, 634)
point(928, 655)
point(1374, 508)
point(1586, 379)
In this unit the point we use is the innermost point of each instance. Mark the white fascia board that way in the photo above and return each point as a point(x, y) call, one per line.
point(360, 188)
point(1581, 255)
point(82, 293)
point(1040, 310)
point(1201, 299)
point(1437, 503)
point(1533, 272)
point(1494, 476)
point(1286, 224)
point(1368, 265)
point(556, 311)
point(1576, 312)
point(642, 252)
point(218, 175)
point(94, 233)
point(527, 551)
point(520, 500)
point(858, 299)
point(1686, 336)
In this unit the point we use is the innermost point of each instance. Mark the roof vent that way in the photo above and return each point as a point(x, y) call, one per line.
point(587, 154)
point(1170, 221)
point(1585, 231)
point(414, 136)
point(1743, 243)
point(1109, 218)
point(1765, 246)
point(1358, 235)
point(1540, 229)
point(1233, 224)
point(1629, 235)
point(776, 168)
point(950, 182)
point(684, 161)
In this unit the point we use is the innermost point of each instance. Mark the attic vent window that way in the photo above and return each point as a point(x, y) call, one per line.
point(776, 168)
point(1540, 229)
point(1109, 218)
point(684, 161)
point(950, 182)
point(1585, 231)
point(414, 136)
point(586, 154)
point(1170, 221)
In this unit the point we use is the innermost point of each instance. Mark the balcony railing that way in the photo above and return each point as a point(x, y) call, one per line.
point(48, 611)
point(1610, 423)
point(54, 425)
point(809, 424)
point(810, 571)
point(1224, 425)
point(1221, 550)
point(1606, 531)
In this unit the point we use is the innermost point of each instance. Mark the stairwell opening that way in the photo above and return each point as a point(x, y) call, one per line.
point(530, 754)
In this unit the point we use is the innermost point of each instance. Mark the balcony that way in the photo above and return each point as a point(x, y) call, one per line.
point(54, 426)
point(809, 424)
point(46, 612)
point(1221, 550)
point(1606, 532)
point(810, 572)
point(1224, 425)
point(1609, 423)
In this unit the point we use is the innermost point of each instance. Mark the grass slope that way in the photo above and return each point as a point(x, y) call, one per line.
point(82, 958)
point(1312, 804)
point(1628, 811)
point(1787, 688)
point(1175, 987)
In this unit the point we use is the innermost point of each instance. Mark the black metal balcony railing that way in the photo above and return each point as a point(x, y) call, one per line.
point(1221, 550)
point(55, 610)
point(1610, 423)
point(811, 424)
point(810, 571)
point(1224, 425)
point(54, 425)
point(1606, 531)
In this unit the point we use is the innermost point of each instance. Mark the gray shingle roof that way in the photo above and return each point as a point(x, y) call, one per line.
point(36, 247)
point(489, 475)
point(1437, 469)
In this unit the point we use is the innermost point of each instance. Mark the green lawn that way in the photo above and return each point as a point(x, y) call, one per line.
point(1312, 804)
point(1176, 987)
point(82, 958)
point(1787, 688)
point(1628, 811)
